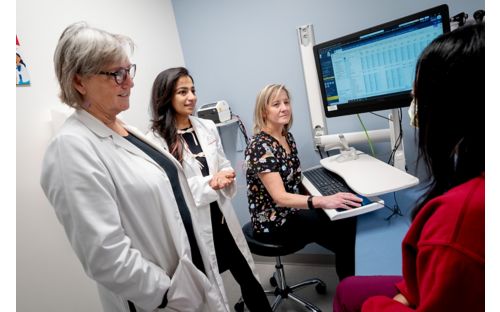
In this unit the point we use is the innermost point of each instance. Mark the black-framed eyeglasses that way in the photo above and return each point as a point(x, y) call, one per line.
point(121, 74)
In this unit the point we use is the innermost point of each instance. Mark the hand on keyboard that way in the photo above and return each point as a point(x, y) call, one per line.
point(338, 200)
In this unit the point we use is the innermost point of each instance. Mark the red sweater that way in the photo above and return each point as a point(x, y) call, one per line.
point(443, 255)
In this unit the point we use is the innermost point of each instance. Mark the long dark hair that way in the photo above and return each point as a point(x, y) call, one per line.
point(450, 96)
point(163, 113)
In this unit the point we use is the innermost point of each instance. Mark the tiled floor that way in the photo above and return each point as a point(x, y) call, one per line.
point(294, 273)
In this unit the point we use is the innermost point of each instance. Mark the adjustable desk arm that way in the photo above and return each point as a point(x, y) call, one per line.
point(332, 141)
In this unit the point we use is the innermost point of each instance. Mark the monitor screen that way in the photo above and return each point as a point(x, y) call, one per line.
point(374, 69)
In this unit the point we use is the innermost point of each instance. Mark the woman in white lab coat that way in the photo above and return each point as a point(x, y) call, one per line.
point(196, 144)
point(123, 201)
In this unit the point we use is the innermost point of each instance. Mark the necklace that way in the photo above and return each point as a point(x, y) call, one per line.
point(190, 130)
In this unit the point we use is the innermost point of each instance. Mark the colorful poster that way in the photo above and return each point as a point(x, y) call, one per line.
point(22, 75)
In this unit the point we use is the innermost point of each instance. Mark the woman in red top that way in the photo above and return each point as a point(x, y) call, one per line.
point(443, 251)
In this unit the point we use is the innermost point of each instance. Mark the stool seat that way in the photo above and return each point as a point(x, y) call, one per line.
point(282, 290)
point(270, 249)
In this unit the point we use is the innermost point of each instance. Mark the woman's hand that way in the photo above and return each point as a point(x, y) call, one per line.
point(401, 298)
point(222, 179)
point(339, 200)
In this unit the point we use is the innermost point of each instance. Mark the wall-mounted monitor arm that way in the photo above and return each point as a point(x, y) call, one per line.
point(306, 43)
point(343, 140)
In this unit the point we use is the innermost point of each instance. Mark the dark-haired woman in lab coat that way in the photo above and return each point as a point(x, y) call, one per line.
point(196, 144)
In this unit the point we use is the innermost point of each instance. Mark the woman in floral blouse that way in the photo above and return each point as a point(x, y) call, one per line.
point(273, 182)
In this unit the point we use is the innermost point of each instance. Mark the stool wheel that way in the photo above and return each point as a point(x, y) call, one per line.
point(239, 306)
point(320, 288)
point(273, 282)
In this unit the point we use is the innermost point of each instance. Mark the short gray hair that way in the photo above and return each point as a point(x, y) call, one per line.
point(85, 50)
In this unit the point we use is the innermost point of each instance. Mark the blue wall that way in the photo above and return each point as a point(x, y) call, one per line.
point(234, 48)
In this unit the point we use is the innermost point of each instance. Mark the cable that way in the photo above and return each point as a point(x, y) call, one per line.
point(242, 128)
point(319, 151)
point(399, 139)
point(367, 136)
point(379, 115)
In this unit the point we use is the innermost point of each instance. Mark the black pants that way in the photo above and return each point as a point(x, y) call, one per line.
point(230, 258)
point(313, 225)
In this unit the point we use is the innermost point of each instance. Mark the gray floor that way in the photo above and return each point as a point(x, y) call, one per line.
point(295, 272)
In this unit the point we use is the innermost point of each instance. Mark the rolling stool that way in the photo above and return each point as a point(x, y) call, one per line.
point(282, 291)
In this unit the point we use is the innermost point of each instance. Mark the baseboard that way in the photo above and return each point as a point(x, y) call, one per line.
point(303, 259)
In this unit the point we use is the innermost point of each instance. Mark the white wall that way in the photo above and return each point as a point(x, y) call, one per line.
point(49, 276)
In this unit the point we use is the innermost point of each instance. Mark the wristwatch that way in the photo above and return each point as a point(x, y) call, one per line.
point(310, 202)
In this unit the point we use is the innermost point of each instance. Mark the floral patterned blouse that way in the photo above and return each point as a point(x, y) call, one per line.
point(265, 154)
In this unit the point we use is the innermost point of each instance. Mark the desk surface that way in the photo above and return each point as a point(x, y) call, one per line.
point(369, 176)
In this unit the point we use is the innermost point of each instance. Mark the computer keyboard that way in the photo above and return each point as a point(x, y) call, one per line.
point(325, 181)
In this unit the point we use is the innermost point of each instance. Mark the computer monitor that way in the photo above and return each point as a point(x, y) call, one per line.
point(374, 69)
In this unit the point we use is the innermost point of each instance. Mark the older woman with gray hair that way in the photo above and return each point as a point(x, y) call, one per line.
point(123, 201)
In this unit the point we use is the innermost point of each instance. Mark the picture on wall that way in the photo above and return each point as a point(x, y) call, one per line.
point(22, 75)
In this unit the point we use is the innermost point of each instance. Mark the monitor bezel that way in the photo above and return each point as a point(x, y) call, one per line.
point(384, 102)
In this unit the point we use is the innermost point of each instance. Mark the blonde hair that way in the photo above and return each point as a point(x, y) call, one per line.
point(84, 50)
point(265, 97)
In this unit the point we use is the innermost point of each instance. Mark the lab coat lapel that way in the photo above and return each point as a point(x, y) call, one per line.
point(153, 144)
point(202, 134)
point(102, 131)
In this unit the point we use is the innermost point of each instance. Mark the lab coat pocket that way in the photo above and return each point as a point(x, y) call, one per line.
point(188, 289)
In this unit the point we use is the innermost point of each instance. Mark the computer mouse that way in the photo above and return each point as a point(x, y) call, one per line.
point(365, 202)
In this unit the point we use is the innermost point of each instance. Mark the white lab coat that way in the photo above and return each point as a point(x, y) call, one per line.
point(203, 194)
point(119, 212)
